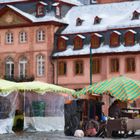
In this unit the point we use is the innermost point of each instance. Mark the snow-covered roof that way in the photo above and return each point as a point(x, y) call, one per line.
point(114, 15)
point(43, 3)
point(75, 2)
point(99, 35)
point(102, 49)
point(9, 1)
point(117, 32)
point(132, 31)
point(34, 19)
point(64, 37)
point(55, 4)
point(81, 36)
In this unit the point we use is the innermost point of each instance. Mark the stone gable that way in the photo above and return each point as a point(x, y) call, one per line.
point(10, 18)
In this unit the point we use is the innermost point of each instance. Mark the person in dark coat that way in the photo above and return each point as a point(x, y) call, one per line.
point(114, 110)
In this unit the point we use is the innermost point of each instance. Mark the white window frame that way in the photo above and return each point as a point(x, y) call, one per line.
point(9, 68)
point(22, 37)
point(57, 11)
point(9, 38)
point(40, 35)
point(22, 67)
point(40, 65)
point(40, 10)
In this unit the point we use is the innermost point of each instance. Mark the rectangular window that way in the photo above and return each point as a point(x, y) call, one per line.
point(40, 65)
point(9, 38)
point(96, 66)
point(40, 10)
point(40, 35)
point(22, 69)
point(78, 43)
point(9, 70)
point(114, 65)
point(62, 68)
point(23, 37)
point(130, 65)
point(78, 67)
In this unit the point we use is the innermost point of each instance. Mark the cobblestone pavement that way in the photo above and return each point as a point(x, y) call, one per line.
point(53, 136)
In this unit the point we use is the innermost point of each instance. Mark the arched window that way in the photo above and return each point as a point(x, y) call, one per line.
point(129, 38)
point(9, 68)
point(40, 65)
point(22, 67)
point(115, 39)
point(22, 37)
point(9, 38)
point(40, 34)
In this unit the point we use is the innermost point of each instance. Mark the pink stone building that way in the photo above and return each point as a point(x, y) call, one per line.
point(27, 29)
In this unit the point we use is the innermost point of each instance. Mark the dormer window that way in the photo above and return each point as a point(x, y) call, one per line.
point(97, 20)
point(40, 9)
point(79, 22)
point(78, 42)
point(95, 40)
point(129, 38)
point(57, 11)
point(115, 39)
point(62, 43)
point(136, 15)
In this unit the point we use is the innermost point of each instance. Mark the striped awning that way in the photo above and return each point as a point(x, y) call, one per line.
point(122, 88)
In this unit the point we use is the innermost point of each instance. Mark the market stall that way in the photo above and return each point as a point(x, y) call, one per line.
point(41, 104)
point(121, 88)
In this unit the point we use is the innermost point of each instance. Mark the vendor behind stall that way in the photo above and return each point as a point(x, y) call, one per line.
point(114, 110)
point(18, 121)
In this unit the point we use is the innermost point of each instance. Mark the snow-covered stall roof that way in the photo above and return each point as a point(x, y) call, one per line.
point(113, 16)
point(34, 19)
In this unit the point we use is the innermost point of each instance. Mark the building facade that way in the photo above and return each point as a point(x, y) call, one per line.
point(27, 29)
point(111, 35)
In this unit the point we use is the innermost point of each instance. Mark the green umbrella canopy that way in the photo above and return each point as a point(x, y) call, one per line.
point(122, 88)
point(41, 87)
